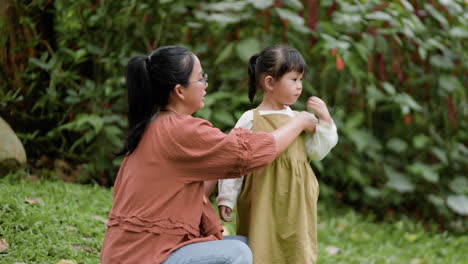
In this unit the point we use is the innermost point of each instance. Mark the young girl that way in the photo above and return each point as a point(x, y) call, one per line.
point(277, 205)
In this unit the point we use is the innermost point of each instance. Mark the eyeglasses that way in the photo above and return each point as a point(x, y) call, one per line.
point(204, 80)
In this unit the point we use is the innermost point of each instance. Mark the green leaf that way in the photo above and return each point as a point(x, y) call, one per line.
point(407, 5)
point(450, 83)
point(41, 64)
point(420, 141)
point(458, 32)
point(422, 52)
point(355, 174)
point(195, 25)
point(372, 93)
point(354, 120)
point(226, 5)
point(379, 15)
point(440, 154)
point(438, 16)
point(458, 203)
point(222, 19)
point(428, 173)
point(363, 140)
point(398, 181)
point(79, 124)
point(94, 49)
point(293, 4)
point(459, 185)
point(442, 62)
point(247, 47)
point(224, 117)
point(225, 53)
point(436, 200)
point(388, 87)
point(397, 145)
point(372, 192)
point(407, 103)
point(290, 16)
point(79, 54)
point(261, 4)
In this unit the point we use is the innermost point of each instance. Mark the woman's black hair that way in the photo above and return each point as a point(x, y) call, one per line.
point(150, 79)
point(275, 61)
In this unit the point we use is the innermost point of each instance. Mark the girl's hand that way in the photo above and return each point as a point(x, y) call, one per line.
point(310, 121)
point(225, 213)
point(320, 108)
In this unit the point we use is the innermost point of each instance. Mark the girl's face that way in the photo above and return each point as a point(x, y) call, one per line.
point(288, 88)
point(195, 89)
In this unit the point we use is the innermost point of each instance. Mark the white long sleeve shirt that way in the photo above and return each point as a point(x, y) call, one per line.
point(317, 145)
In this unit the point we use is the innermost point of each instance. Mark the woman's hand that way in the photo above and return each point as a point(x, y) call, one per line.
point(310, 121)
point(320, 108)
point(225, 213)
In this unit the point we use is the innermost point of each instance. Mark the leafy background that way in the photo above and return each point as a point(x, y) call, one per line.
point(393, 73)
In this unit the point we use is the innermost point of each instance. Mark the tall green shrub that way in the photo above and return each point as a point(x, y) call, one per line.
point(394, 74)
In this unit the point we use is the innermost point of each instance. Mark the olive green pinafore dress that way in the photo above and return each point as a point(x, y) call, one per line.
point(277, 207)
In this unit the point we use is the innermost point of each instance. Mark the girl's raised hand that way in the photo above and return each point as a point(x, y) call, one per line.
point(225, 213)
point(320, 108)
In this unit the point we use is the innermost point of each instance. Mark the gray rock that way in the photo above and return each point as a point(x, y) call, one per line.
point(12, 154)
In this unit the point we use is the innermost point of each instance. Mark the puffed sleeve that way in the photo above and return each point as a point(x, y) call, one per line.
point(202, 152)
point(319, 144)
point(229, 189)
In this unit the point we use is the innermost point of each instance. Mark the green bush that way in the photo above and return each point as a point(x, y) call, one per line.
point(393, 74)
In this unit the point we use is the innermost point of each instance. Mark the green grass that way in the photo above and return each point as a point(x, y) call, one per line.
point(67, 225)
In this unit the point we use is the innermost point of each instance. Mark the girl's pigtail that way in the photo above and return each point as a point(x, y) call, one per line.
point(252, 77)
point(140, 102)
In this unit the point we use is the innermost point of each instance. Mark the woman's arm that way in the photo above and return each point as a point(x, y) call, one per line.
point(208, 187)
point(206, 153)
point(286, 134)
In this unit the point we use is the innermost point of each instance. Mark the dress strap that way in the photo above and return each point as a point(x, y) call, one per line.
point(256, 113)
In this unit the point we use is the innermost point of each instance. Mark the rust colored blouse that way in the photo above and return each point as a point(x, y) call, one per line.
point(159, 203)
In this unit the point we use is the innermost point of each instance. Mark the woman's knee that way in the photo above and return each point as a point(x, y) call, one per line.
point(240, 253)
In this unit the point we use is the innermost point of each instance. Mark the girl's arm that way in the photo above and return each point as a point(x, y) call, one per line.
point(325, 137)
point(319, 144)
point(229, 189)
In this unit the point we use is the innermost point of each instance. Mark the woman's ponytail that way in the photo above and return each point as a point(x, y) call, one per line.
point(140, 101)
point(252, 77)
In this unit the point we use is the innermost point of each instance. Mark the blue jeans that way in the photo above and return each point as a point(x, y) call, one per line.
point(231, 250)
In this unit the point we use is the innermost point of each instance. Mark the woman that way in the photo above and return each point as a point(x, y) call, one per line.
point(160, 213)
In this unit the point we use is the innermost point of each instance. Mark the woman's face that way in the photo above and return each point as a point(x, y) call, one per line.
point(195, 89)
point(288, 88)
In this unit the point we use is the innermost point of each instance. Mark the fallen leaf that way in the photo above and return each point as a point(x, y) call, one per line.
point(71, 228)
point(332, 250)
point(3, 245)
point(415, 261)
point(34, 200)
point(100, 218)
point(85, 248)
point(66, 261)
point(341, 226)
point(411, 237)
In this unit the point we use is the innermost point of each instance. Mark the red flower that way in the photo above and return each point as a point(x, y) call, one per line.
point(408, 119)
point(339, 64)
